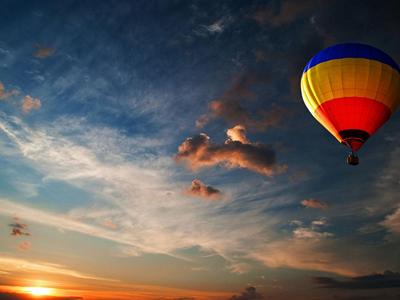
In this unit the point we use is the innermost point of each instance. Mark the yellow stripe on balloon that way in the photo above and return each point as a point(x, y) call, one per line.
point(350, 77)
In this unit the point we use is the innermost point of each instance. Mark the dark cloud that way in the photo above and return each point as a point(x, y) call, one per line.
point(288, 12)
point(369, 297)
point(231, 105)
point(15, 296)
point(314, 203)
point(18, 228)
point(375, 281)
point(198, 152)
point(199, 189)
point(250, 293)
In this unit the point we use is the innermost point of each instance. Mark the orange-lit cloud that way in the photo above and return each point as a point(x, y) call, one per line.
point(314, 203)
point(199, 189)
point(43, 51)
point(24, 246)
point(6, 94)
point(198, 152)
point(238, 133)
point(29, 104)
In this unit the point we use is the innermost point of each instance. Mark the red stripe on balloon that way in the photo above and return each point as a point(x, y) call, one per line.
point(353, 113)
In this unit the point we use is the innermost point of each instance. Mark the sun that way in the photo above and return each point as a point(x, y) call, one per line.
point(38, 291)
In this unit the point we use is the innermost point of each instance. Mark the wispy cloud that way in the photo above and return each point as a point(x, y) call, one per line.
point(217, 27)
point(123, 184)
point(11, 264)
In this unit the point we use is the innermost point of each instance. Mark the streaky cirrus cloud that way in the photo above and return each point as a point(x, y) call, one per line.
point(6, 94)
point(43, 51)
point(199, 189)
point(250, 293)
point(230, 106)
point(198, 152)
point(29, 103)
point(11, 264)
point(125, 181)
point(314, 203)
point(387, 279)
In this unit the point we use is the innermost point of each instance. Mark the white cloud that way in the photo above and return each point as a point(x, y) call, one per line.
point(137, 192)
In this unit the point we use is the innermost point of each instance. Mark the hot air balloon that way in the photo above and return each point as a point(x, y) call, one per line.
point(352, 90)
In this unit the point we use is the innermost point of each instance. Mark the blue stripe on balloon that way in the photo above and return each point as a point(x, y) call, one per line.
point(351, 50)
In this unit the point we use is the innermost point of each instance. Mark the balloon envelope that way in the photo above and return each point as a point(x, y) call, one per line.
point(352, 90)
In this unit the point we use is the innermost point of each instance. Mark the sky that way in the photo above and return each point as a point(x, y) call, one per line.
point(162, 150)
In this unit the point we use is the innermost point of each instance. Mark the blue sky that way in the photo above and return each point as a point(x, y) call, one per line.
point(99, 96)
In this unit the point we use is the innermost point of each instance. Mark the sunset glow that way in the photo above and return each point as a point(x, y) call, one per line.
point(38, 291)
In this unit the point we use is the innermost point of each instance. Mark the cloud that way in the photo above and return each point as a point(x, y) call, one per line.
point(250, 293)
point(237, 133)
point(6, 94)
point(289, 11)
point(19, 296)
point(392, 222)
point(29, 103)
point(199, 189)
point(308, 233)
point(18, 228)
point(123, 174)
point(314, 203)
point(43, 51)
point(10, 264)
point(24, 246)
point(385, 280)
point(217, 27)
point(319, 222)
point(110, 224)
point(311, 253)
point(229, 106)
point(198, 152)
